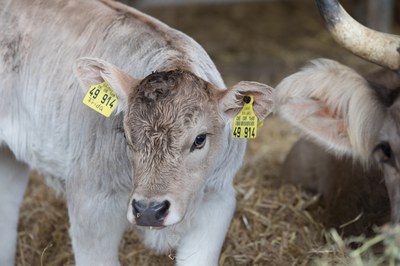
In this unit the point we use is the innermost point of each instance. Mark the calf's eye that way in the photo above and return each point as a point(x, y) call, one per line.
point(199, 142)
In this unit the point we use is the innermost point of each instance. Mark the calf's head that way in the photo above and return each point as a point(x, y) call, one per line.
point(176, 132)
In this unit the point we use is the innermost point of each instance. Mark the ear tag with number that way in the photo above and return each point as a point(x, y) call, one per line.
point(101, 98)
point(245, 123)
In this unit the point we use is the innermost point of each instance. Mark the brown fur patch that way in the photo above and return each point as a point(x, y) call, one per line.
point(162, 109)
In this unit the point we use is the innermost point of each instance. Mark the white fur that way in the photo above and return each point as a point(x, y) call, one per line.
point(13, 181)
point(44, 123)
point(327, 85)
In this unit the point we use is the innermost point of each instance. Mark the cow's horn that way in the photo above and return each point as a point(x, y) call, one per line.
point(380, 48)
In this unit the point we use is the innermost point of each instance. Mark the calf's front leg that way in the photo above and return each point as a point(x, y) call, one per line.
point(201, 246)
point(98, 221)
point(13, 181)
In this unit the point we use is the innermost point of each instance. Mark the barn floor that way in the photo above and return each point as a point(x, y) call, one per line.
point(273, 225)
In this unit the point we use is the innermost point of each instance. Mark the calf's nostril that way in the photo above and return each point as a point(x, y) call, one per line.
point(150, 213)
point(138, 207)
point(161, 209)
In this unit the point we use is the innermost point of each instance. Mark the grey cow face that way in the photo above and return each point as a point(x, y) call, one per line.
point(174, 135)
point(175, 128)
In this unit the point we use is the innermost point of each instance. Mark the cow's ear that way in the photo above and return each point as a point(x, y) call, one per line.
point(92, 71)
point(232, 101)
point(333, 105)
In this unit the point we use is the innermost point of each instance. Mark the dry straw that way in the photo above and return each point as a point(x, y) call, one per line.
point(273, 225)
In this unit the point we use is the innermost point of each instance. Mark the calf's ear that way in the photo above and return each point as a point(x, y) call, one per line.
point(92, 71)
point(232, 101)
point(333, 105)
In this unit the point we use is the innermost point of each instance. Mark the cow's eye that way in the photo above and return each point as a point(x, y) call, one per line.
point(199, 142)
point(384, 151)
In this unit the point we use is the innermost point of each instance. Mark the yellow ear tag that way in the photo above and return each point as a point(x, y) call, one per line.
point(101, 98)
point(245, 123)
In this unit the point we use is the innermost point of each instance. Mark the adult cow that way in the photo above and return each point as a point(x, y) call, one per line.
point(346, 113)
point(175, 168)
point(354, 196)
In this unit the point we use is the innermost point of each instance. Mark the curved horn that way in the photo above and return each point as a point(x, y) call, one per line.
point(380, 48)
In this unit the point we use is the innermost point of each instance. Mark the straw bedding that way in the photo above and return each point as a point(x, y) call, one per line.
point(273, 225)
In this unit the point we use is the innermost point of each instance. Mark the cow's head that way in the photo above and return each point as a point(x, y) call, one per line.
point(176, 133)
point(344, 111)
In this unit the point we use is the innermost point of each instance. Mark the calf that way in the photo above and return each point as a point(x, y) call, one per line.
point(164, 159)
point(346, 113)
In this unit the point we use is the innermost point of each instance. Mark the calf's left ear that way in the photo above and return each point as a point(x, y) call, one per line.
point(232, 101)
point(92, 71)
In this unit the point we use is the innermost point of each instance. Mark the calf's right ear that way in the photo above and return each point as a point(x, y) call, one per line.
point(232, 101)
point(92, 71)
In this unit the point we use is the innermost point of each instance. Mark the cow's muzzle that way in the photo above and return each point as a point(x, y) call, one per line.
point(150, 213)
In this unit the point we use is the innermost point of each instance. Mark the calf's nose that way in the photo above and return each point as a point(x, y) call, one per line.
point(150, 214)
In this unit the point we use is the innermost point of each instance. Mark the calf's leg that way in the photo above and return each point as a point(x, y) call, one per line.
point(98, 221)
point(13, 181)
point(202, 244)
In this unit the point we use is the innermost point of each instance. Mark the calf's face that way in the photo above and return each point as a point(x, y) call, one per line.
point(176, 134)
